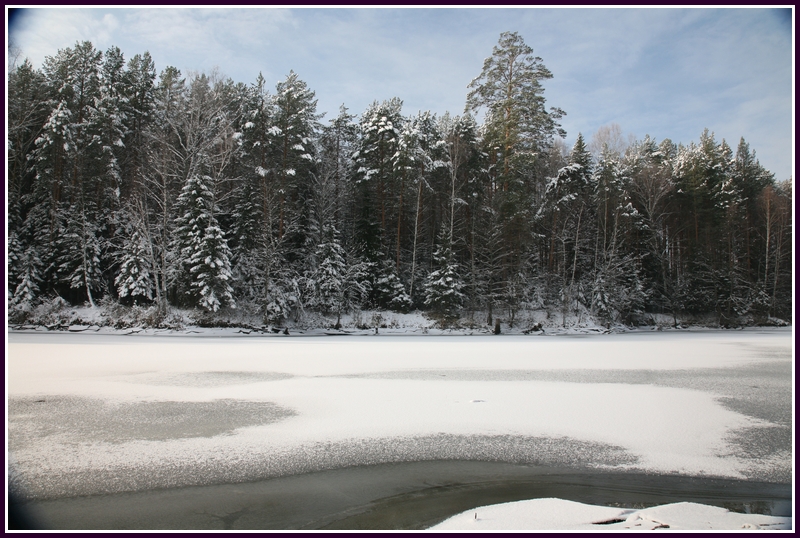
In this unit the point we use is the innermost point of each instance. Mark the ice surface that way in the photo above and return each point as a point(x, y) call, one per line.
point(623, 402)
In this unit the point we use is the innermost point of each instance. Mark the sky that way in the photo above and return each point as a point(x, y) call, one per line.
point(669, 73)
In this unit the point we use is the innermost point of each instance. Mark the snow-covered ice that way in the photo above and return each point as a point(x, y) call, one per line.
point(222, 409)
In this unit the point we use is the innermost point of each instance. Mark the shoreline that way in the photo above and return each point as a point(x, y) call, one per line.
point(244, 332)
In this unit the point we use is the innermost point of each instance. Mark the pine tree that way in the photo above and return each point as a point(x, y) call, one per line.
point(253, 236)
point(380, 127)
point(27, 113)
point(374, 183)
point(568, 195)
point(141, 93)
point(210, 267)
point(28, 288)
point(420, 162)
point(386, 288)
point(510, 87)
point(64, 147)
point(517, 134)
point(652, 192)
point(109, 123)
point(249, 240)
point(337, 142)
point(293, 128)
point(283, 293)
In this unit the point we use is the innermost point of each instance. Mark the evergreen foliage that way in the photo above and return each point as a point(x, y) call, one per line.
point(204, 192)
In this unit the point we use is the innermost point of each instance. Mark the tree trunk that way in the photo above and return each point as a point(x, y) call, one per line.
point(416, 231)
point(575, 257)
point(86, 263)
point(766, 253)
point(399, 221)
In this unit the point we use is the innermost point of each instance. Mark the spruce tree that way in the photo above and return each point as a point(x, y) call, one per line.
point(203, 249)
point(24, 273)
point(135, 277)
point(79, 247)
point(327, 281)
point(444, 284)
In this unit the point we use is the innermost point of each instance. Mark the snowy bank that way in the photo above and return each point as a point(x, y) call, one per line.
point(558, 514)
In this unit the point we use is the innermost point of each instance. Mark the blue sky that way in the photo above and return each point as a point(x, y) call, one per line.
point(669, 73)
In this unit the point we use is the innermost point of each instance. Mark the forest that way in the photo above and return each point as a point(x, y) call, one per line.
point(127, 187)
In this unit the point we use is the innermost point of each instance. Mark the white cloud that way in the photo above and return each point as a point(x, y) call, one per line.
point(42, 32)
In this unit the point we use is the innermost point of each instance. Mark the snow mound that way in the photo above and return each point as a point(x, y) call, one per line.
point(558, 514)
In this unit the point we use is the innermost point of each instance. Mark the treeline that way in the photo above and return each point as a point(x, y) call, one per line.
point(198, 191)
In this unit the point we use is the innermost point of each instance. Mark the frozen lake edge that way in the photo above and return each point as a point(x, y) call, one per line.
point(408, 495)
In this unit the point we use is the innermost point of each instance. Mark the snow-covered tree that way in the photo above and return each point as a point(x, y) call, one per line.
point(249, 239)
point(206, 275)
point(28, 288)
point(98, 157)
point(135, 277)
point(291, 133)
point(337, 143)
point(327, 281)
point(569, 201)
point(283, 296)
point(27, 111)
point(24, 273)
point(510, 88)
point(141, 94)
point(517, 134)
point(79, 246)
point(386, 288)
point(380, 128)
point(64, 149)
point(161, 176)
point(444, 284)
point(109, 124)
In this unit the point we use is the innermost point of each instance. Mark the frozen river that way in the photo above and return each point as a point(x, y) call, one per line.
point(107, 415)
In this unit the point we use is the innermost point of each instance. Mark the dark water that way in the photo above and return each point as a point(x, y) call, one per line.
point(412, 495)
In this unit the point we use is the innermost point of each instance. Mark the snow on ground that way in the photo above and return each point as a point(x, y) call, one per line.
point(117, 319)
point(558, 514)
point(223, 409)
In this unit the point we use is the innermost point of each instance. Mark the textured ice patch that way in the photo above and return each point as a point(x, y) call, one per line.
point(205, 379)
point(76, 420)
point(137, 466)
